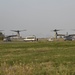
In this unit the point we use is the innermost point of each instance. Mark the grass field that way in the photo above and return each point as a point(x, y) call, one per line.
point(37, 58)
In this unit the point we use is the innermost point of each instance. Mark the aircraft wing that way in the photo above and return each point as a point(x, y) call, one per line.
point(11, 35)
point(60, 34)
point(72, 35)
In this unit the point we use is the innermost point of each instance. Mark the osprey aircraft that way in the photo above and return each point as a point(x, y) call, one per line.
point(8, 37)
point(66, 36)
point(18, 32)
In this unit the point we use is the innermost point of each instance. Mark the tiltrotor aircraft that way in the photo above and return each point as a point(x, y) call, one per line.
point(18, 32)
point(6, 37)
point(66, 36)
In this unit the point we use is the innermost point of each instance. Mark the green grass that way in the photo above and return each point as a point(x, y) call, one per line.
point(37, 58)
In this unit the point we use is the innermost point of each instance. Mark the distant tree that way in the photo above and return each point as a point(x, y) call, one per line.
point(1, 36)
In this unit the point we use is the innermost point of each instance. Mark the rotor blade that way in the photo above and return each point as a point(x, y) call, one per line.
point(14, 30)
point(18, 30)
point(22, 30)
point(55, 30)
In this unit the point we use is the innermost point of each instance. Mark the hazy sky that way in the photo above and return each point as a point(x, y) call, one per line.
point(38, 17)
